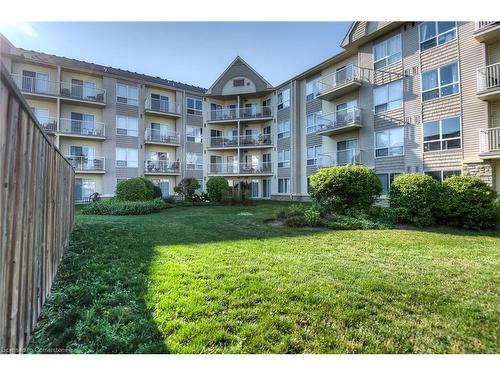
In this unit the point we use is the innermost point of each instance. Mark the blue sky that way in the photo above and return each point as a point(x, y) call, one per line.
point(194, 53)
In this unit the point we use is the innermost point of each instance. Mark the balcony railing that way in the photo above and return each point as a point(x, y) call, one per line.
point(161, 166)
point(241, 168)
point(481, 25)
point(246, 113)
point(83, 92)
point(339, 119)
point(162, 106)
point(48, 123)
point(253, 140)
point(86, 163)
point(80, 127)
point(489, 140)
point(223, 142)
point(162, 136)
point(339, 78)
point(488, 77)
point(341, 157)
point(36, 85)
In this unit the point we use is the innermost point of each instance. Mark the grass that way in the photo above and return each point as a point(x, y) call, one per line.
point(207, 280)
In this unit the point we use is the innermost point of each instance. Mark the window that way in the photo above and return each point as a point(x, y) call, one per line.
point(126, 157)
point(35, 81)
point(313, 155)
point(194, 106)
point(194, 160)
point(283, 129)
point(127, 94)
point(41, 114)
point(442, 175)
point(311, 122)
point(283, 158)
point(442, 134)
point(127, 125)
point(283, 185)
point(238, 82)
point(436, 33)
point(389, 142)
point(284, 99)
point(386, 180)
point(440, 82)
point(84, 188)
point(311, 88)
point(389, 96)
point(266, 188)
point(193, 134)
point(387, 52)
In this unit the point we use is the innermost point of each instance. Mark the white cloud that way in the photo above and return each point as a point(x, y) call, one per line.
point(27, 29)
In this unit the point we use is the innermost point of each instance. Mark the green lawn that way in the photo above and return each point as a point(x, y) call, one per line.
point(207, 280)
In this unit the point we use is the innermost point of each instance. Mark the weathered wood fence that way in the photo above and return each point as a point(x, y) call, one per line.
point(36, 215)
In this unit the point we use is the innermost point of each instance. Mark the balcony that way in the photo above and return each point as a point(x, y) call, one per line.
point(339, 122)
point(161, 167)
point(488, 82)
point(241, 169)
point(35, 86)
point(342, 157)
point(82, 93)
point(161, 107)
point(489, 143)
point(254, 113)
point(243, 141)
point(49, 124)
point(487, 31)
point(340, 83)
point(87, 164)
point(161, 137)
point(82, 129)
point(223, 142)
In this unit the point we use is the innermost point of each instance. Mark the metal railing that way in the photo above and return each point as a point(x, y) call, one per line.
point(480, 25)
point(244, 141)
point(161, 166)
point(223, 142)
point(488, 77)
point(86, 163)
point(162, 105)
point(339, 119)
point(241, 168)
point(161, 136)
point(48, 123)
point(83, 92)
point(489, 140)
point(342, 157)
point(36, 85)
point(80, 127)
point(246, 113)
point(342, 76)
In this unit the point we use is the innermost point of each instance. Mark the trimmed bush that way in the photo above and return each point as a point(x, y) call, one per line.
point(135, 189)
point(415, 199)
point(469, 203)
point(345, 187)
point(156, 191)
point(312, 216)
point(344, 222)
point(187, 186)
point(117, 207)
point(296, 221)
point(217, 188)
point(296, 209)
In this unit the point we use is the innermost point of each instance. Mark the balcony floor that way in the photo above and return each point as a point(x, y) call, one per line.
point(82, 136)
point(489, 34)
point(339, 91)
point(339, 130)
point(490, 95)
point(162, 114)
point(81, 101)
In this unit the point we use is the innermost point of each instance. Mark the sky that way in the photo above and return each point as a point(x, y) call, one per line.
point(195, 53)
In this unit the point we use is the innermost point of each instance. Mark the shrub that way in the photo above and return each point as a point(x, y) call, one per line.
point(280, 214)
point(312, 216)
point(296, 209)
point(468, 202)
point(135, 189)
point(296, 221)
point(343, 187)
point(187, 186)
point(156, 192)
point(217, 187)
point(345, 222)
point(117, 207)
point(415, 199)
point(169, 200)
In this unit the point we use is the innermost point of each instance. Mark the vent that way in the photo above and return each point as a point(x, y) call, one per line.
point(238, 82)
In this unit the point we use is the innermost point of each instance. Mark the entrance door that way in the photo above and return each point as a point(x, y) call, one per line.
point(345, 114)
point(347, 152)
point(254, 189)
point(77, 88)
point(215, 164)
point(165, 188)
point(266, 188)
point(159, 103)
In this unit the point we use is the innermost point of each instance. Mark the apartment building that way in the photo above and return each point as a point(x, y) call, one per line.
point(402, 97)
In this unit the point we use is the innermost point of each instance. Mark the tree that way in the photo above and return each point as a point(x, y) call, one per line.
point(187, 187)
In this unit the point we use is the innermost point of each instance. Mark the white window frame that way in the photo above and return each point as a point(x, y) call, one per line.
point(285, 182)
point(388, 147)
point(196, 166)
point(420, 41)
point(195, 111)
point(442, 172)
point(129, 164)
point(387, 56)
point(132, 131)
point(439, 87)
point(441, 139)
point(312, 88)
point(129, 99)
point(316, 152)
point(197, 138)
point(311, 126)
point(282, 158)
point(284, 103)
point(387, 86)
point(283, 133)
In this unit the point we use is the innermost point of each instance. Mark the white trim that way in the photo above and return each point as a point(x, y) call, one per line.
point(438, 87)
point(386, 57)
point(375, 143)
point(440, 140)
point(436, 36)
point(386, 103)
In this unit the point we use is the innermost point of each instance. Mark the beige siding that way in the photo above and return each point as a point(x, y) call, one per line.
point(441, 108)
point(439, 55)
point(442, 160)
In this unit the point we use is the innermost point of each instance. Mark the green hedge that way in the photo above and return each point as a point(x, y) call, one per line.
point(469, 203)
point(117, 207)
point(136, 189)
point(217, 188)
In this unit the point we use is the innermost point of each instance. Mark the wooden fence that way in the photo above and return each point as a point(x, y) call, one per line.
point(36, 215)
